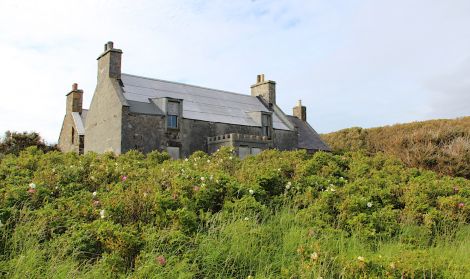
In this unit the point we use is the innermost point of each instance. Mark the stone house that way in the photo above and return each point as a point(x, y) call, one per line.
point(133, 112)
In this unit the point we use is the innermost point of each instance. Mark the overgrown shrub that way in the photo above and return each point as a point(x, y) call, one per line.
point(274, 215)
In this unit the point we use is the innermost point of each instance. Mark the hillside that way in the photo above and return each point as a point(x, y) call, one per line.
point(439, 145)
point(275, 215)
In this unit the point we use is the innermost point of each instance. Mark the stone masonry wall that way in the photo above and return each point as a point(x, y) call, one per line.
point(104, 119)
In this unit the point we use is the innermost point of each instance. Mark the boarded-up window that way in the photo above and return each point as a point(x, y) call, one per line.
point(173, 108)
point(243, 152)
point(256, 151)
point(174, 152)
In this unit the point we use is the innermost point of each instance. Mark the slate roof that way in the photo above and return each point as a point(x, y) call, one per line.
point(199, 103)
point(308, 137)
point(79, 120)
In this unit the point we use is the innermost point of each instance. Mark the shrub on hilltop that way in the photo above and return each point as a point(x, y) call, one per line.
point(439, 145)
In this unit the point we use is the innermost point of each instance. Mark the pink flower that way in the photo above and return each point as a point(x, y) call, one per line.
point(31, 190)
point(161, 260)
point(96, 203)
point(124, 178)
point(196, 188)
point(461, 205)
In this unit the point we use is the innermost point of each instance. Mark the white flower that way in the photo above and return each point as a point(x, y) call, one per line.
point(361, 259)
point(186, 159)
point(208, 161)
point(32, 185)
point(288, 185)
point(94, 194)
point(102, 213)
point(332, 189)
point(314, 256)
point(211, 177)
point(203, 178)
point(145, 194)
point(230, 157)
point(246, 219)
point(251, 191)
point(369, 204)
point(278, 169)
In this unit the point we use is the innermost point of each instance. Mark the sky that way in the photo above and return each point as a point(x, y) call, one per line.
point(360, 63)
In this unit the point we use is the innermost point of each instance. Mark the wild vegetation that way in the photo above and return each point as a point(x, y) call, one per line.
point(275, 215)
point(439, 145)
point(15, 142)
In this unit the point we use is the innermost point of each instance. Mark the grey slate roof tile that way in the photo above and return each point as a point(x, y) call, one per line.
point(199, 103)
point(308, 137)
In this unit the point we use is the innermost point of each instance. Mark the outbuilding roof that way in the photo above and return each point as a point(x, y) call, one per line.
point(79, 120)
point(308, 137)
point(199, 103)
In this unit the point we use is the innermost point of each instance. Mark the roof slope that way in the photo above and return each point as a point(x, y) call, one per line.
point(308, 137)
point(199, 103)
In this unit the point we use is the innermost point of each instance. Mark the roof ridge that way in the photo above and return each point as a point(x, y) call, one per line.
point(182, 83)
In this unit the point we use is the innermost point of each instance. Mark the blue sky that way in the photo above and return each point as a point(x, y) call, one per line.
point(353, 63)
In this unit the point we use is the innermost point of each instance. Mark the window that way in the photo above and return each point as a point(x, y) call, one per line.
point(81, 144)
point(172, 121)
point(266, 125)
point(173, 111)
point(73, 135)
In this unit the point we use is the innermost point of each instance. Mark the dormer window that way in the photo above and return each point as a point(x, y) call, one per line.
point(173, 114)
point(266, 125)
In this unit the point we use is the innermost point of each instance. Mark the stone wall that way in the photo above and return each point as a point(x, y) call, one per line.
point(147, 132)
point(104, 118)
point(143, 132)
point(65, 139)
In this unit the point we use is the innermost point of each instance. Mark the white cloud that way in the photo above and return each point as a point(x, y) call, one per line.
point(365, 63)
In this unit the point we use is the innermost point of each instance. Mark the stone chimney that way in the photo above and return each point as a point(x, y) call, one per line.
point(264, 89)
point(74, 99)
point(300, 111)
point(109, 62)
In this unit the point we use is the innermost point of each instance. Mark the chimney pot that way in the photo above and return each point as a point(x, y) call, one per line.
point(258, 78)
point(299, 103)
point(262, 77)
point(110, 45)
point(74, 87)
